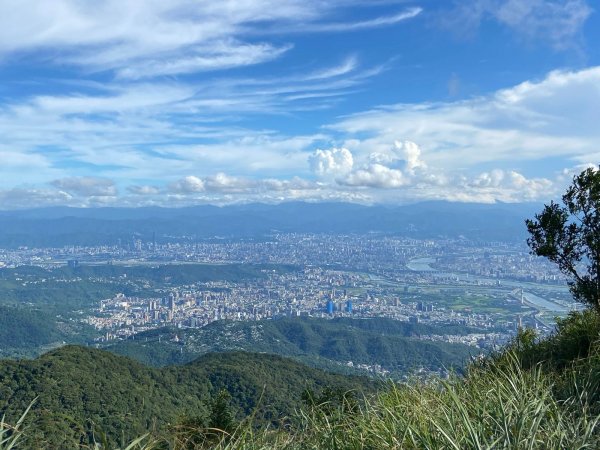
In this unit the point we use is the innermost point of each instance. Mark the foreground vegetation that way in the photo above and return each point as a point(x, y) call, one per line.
point(84, 395)
point(535, 394)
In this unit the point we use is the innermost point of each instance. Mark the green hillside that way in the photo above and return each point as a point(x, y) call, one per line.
point(25, 331)
point(42, 308)
point(330, 344)
point(537, 393)
point(83, 392)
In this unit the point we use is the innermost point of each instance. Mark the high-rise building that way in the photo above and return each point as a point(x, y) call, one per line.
point(171, 302)
point(329, 307)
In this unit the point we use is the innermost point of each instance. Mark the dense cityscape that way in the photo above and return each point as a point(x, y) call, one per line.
point(494, 287)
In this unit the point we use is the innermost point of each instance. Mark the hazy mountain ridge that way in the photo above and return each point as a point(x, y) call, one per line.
point(93, 226)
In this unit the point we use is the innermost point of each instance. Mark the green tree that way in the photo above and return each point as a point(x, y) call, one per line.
point(569, 236)
point(221, 415)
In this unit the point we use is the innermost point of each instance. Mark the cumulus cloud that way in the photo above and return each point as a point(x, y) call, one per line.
point(389, 168)
point(217, 183)
point(405, 155)
point(222, 182)
point(512, 186)
point(332, 162)
point(412, 154)
point(87, 186)
point(398, 173)
point(489, 179)
point(224, 189)
point(188, 185)
point(370, 183)
point(376, 176)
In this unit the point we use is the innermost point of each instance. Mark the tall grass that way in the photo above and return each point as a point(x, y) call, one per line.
point(499, 406)
point(535, 394)
point(10, 435)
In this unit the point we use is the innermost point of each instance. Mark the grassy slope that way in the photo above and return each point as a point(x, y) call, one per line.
point(535, 394)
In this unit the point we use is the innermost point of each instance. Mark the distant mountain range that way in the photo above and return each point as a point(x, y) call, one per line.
point(91, 226)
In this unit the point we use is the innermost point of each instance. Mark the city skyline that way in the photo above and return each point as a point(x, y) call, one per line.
point(389, 101)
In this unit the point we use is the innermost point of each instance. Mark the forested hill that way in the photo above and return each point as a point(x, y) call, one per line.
point(81, 391)
point(396, 346)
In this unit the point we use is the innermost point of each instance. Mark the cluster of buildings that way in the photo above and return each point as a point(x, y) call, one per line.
point(337, 275)
point(372, 253)
point(312, 291)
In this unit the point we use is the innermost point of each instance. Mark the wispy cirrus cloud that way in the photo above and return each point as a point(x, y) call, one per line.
point(86, 186)
point(152, 129)
point(556, 22)
point(333, 27)
point(218, 56)
point(145, 39)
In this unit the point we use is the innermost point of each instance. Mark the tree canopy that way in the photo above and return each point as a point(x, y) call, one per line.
point(569, 236)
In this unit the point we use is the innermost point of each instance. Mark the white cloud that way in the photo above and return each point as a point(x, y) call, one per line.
point(86, 186)
point(222, 182)
point(398, 174)
point(372, 23)
point(412, 154)
point(389, 168)
point(126, 133)
point(333, 162)
point(553, 117)
point(186, 185)
point(512, 186)
point(19, 198)
point(147, 38)
point(376, 176)
point(373, 183)
point(487, 179)
point(293, 185)
point(16, 166)
point(223, 189)
point(133, 126)
point(403, 154)
point(348, 65)
point(143, 190)
point(217, 56)
point(556, 22)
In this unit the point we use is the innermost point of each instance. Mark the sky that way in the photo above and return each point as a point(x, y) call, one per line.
point(183, 102)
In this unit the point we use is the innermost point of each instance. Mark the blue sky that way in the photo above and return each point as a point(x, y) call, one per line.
point(384, 101)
